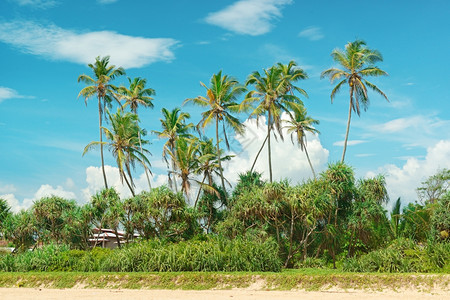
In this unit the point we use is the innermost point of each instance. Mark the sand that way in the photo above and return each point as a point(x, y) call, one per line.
point(68, 294)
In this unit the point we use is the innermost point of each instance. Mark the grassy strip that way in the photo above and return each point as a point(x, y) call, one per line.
point(308, 279)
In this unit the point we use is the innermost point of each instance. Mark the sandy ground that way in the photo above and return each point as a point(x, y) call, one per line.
point(68, 294)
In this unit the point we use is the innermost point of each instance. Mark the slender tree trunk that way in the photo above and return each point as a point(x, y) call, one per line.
point(129, 186)
point(219, 160)
point(309, 161)
point(268, 146)
point(199, 190)
point(101, 140)
point(348, 125)
point(174, 169)
point(257, 155)
point(145, 166)
point(117, 237)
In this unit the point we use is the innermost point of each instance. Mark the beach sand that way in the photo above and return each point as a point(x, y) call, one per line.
point(246, 294)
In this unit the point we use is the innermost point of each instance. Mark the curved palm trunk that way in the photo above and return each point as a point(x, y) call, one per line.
point(348, 125)
point(101, 141)
point(268, 144)
point(145, 166)
point(128, 184)
point(218, 158)
point(199, 190)
point(257, 155)
point(309, 161)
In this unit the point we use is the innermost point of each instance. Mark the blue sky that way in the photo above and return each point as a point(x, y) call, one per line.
point(46, 44)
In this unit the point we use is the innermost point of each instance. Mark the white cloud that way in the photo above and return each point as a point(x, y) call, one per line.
point(251, 17)
point(403, 181)
point(94, 180)
point(106, 1)
point(42, 4)
point(349, 143)
point(44, 190)
point(288, 161)
point(312, 33)
point(56, 43)
point(8, 188)
point(7, 93)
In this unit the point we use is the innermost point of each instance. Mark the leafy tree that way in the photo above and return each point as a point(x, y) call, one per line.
point(220, 100)
point(434, 187)
point(107, 211)
point(173, 126)
point(415, 222)
point(299, 124)
point(125, 144)
point(5, 211)
point(440, 221)
point(21, 230)
point(138, 95)
point(274, 93)
point(101, 87)
point(357, 62)
point(52, 215)
point(159, 213)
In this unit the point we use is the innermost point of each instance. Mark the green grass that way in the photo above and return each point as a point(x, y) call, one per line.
point(307, 279)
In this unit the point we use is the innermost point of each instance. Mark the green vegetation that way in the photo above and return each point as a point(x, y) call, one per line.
point(308, 279)
point(332, 221)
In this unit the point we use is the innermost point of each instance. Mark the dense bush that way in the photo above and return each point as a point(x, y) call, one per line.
point(403, 255)
point(211, 254)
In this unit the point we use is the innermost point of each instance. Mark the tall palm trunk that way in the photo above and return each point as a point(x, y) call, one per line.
point(101, 140)
point(268, 145)
point(145, 166)
point(348, 124)
point(257, 155)
point(309, 161)
point(128, 183)
point(199, 190)
point(218, 158)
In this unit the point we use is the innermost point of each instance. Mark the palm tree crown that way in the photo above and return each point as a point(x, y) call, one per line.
point(137, 94)
point(357, 62)
point(173, 126)
point(221, 97)
point(298, 125)
point(274, 93)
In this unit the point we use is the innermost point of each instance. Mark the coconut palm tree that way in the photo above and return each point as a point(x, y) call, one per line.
point(274, 93)
point(185, 157)
point(124, 144)
point(174, 126)
point(101, 87)
point(208, 163)
point(357, 62)
point(298, 125)
point(138, 95)
point(220, 100)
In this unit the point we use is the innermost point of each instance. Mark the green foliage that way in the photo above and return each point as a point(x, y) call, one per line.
point(440, 221)
point(436, 186)
point(402, 255)
point(212, 254)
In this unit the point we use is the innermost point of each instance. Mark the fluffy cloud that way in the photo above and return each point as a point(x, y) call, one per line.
point(42, 4)
point(94, 180)
point(403, 181)
point(44, 190)
point(418, 130)
point(312, 33)
point(288, 161)
point(7, 93)
point(57, 43)
point(251, 17)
